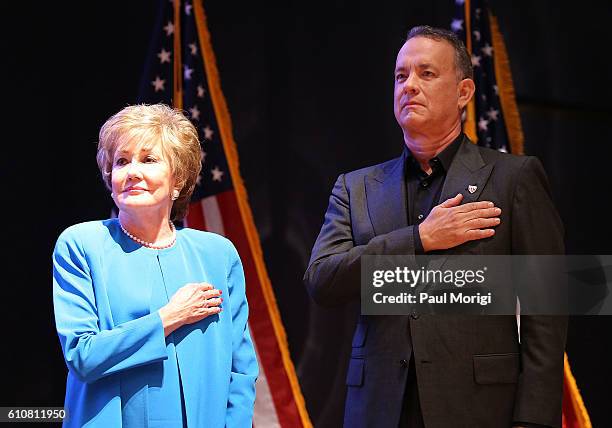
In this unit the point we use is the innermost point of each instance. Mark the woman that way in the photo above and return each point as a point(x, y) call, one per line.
point(152, 320)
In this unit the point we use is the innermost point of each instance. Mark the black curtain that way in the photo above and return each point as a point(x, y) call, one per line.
point(309, 89)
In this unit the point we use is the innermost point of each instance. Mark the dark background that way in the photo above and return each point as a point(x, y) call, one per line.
point(309, 88)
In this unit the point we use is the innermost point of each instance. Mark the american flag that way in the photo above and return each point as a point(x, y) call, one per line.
point(472, 18)
point(181, 71)
point(494, 118)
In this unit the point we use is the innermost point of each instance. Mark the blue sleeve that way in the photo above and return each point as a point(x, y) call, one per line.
point(89, 351)
point(241, 398)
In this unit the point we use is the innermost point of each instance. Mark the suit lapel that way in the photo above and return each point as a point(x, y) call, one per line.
point(385, 191)
point(468, 175)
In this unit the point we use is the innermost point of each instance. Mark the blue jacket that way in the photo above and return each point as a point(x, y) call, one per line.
point(113, 341)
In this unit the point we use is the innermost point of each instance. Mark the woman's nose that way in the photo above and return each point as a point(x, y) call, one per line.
point(134, 169)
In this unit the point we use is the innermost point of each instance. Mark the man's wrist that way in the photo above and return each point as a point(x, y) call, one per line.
point(423, 238)
point(418, 244)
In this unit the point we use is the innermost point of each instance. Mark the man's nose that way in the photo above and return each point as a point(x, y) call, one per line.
point(410, 85)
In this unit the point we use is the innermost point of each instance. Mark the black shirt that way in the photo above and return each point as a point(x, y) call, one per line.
point(423, 193)
point(423, 190)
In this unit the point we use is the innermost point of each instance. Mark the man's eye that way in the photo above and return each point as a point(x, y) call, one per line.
point(400, 77)
point(427, 73)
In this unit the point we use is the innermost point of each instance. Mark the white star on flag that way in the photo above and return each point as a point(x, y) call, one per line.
point(483, 124)
point(208, 133)
point(159, 84)
point(200, 91)
point(492, 113)
point(476, 34)
point(199, 180)
point(164, 56)
point(496, 89)
point(195, 113)
point(188, 8)
point(188, 72)
point(476, 61)
point(487, 49)
point(202, 156)
point(194, 48)
point(216, 173)
point(169, 28)
point(457, 24)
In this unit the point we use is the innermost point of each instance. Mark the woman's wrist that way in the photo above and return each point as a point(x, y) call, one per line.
point(170, 321)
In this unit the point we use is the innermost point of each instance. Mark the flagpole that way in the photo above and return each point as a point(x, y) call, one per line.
point(177, 81)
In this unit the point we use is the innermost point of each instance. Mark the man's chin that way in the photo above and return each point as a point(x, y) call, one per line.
point(412, 122)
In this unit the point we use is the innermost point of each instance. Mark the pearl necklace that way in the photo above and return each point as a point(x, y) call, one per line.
point(150, 244)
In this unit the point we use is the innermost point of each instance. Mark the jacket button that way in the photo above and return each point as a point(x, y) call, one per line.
point(403, 363)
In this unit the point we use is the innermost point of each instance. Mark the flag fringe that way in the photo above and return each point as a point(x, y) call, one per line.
point(225, 128)
point(469, 126)
point(177, 79)
point(505, 88)
point(584, 421)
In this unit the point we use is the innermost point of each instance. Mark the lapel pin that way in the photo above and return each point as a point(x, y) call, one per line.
point(472, 188)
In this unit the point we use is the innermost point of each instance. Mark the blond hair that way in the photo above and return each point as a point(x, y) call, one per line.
point(152, 124)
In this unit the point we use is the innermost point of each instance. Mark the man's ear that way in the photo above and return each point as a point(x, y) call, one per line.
point(466, 92)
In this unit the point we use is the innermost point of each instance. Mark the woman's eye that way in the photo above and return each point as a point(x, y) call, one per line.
point(150, 159)
point(120, 162)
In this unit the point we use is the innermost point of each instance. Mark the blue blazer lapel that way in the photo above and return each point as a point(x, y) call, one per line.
point(385, 191)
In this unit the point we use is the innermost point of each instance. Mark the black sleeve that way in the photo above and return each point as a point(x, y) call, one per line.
point(418, 245)
point(333, 274)
point(537, 229)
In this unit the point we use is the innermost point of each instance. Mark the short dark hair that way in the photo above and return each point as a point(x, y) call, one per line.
point(463, 61)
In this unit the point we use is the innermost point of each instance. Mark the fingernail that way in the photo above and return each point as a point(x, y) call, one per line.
point(490, 204)
point(221, 298)
point(497, 210)
point(220, 291)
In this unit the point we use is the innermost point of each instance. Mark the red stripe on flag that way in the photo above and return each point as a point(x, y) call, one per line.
point(195, 216)
point(569, 416)
point(259, 316)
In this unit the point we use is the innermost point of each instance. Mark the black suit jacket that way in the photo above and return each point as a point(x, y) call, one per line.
point(471, 370)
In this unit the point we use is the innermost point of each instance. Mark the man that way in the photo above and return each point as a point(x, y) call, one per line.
point(446, 370)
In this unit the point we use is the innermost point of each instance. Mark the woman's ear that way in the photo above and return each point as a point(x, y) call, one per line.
point(466, 92)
